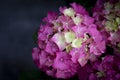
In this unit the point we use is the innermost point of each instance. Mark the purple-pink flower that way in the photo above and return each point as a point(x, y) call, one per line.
point(65, 67)
point(107, 17)
point(74, 43)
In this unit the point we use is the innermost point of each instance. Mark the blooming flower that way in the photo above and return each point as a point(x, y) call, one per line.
point(105, 68)
point(64, 65)
point(108, 68)
point(110, 21)
point(68, 41)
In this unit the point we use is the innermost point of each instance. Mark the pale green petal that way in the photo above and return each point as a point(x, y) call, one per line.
point(69, 36)
point(77, 20)
point(77, 43)
point(69, 12)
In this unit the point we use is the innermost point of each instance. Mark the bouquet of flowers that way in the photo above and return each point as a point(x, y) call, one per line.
point(74, 43)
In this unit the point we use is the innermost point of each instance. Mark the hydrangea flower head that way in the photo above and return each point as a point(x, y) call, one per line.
point(68, 41)
point(107, 16)
point(108, 68)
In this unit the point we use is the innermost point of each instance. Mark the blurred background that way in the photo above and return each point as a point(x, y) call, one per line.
point(19, 20)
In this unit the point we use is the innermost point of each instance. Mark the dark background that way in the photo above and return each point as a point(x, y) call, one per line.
point(19, 20)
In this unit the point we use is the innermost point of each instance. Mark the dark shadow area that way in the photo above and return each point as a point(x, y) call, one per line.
point(19, 20)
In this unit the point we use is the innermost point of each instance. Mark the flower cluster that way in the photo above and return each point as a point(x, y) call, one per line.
point(107, 18)
point(74, 43)
point(106, 68)
point(107, 15)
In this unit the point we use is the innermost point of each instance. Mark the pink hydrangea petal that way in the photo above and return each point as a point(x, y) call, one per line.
point(62, 74)
point(41, 44)
point(79, 9)
point(35, 53)
point(93, 49)
point(65, 67)
point(66, 21)
point(115, 37)
point(51, 48)
point(93, 76)
point(88, 20)
point(50, 17)
point(48, 30)
point(101, 46)
point(75, 55)
point(59, 40)
point(96, 35)
point(82, 60)
point(51, 72)
point(80, 30)
point(42, 36)
point(43, 57)
point(93, 57)
point(60, 61)
point(61, 9)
